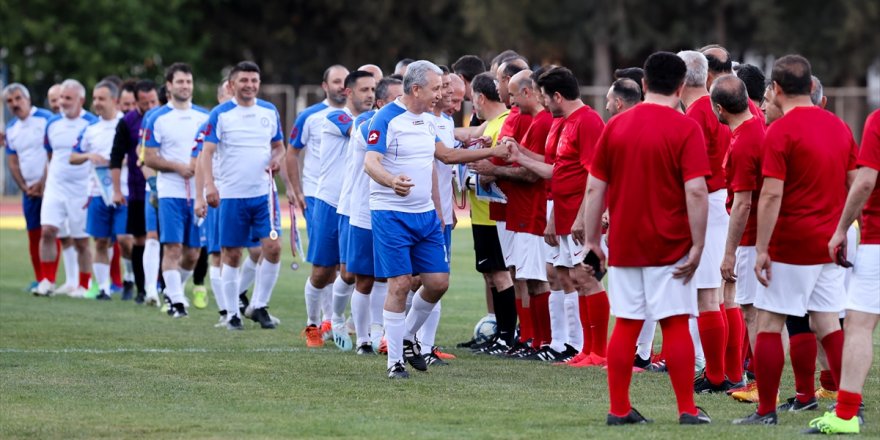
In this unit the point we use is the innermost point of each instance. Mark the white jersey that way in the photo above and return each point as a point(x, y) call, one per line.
point(24, 138)
point(334, 145)
point(359, 201)
point(66, 180)
point(98, 138)
point(244, 137)
point(172, 131)
point(351, 168)
point(306, 133)
point(407, 142)
point(445, 128)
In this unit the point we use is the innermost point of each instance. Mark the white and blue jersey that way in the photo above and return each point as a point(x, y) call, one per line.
point(306, 133)
point(351, 167)
point(24, 138)
point(97, 138)
point(444, 126)
point(66, 180)
point(172, 131)
point(334, 145)
point(359, 200)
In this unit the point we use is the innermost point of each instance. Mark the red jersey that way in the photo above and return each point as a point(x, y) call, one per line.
point(811, 150)
point(869, 156)
point(515, 126)
point(527, 201)
point(645, 155)
point(716, 136)
point(756, 112)
point(550, 150)
point(577, 141)
point(742, 170)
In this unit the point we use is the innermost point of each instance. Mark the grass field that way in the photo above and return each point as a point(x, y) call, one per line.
point(82, 369)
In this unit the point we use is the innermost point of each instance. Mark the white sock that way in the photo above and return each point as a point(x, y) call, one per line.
point(185, 275)
point(313, 303)
point(377, 301)
point(558, 320)
point(341, 296)
point(409, 299)
point(151, 266)
point(646, 339)
point(173, 286)
point(217, 287)
point(573, 318)
point(128, 274)
point(102, 276)
point(267, 276)
point(428, 333)
point(699, 356)
point(417, 316)
point(248, 274)
point(360, 314)
point(327, 302)
point(256, 282)
point(229, 275)
point(71, 266)
point(395, 327)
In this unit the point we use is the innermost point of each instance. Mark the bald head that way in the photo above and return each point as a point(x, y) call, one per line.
point(505, 72)
point(729, 92)
point(458, 90)
point(623, 95)
point(374, 69)
point(54, 95)
point(719, 62)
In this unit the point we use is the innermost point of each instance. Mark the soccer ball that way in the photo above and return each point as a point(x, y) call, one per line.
point(485, 329)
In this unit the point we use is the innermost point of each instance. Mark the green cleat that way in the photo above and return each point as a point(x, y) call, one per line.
point(832, 425)
point(200, 297)
point(93, 291)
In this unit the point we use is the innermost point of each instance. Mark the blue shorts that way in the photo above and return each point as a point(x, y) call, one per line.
point(310, 208)
point(31, 208)
point(212, 230)
point(106, 221)
point(177, 223)
point(151, 215)
point(360, 251)
point(406, 243)
point(324, 238)
point(344, 227)
point(244, 222)
point(447, 235)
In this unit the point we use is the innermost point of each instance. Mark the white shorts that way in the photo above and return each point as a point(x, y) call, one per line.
point(65, 213)
point(864, 287)
point(708, 274)
point(528, 256)
point(650, 293)
point(505, 237)
point(796, 289)
point(570, 254)
point(746, 280)
point(551, 253)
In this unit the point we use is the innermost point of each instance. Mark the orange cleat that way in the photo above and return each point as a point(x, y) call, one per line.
point(592, 360)
point(326, 330)
point(383, 346)
point(313, 336)
point(577, 359)
point(440, 354)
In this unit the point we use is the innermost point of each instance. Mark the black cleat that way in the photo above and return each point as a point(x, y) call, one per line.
point(398, 371)
point(702, 385)
point(792, 404)
point(633, 418)
point(234, 323)
point(641, 363)
point(547, 354)
point(412, 353)
point(366, 349)
point(467, 344)
point(756, 419)
point(178, 311)
point(139, 298)
point(569, 353)
point(102, 296)
point(261, 315)
point(243, 302)
point(526, 353)
point(701, 418)
point(498, 348)
point(127, 290)
point(432, 359)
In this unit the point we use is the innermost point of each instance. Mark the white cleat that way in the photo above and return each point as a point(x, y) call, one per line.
point(66, 289)
point(341, 338)
point(249, 311)
point(78, 292)
point(275, 320)
point(152, 299)
point(45, 288)
point(221, 323)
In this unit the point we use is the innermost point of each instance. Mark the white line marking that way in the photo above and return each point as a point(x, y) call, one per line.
point(146, 350)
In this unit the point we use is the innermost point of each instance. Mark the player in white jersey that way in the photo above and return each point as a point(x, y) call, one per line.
point(27, 161)
point(66, 194)
point(246, 134)
point(168, 138)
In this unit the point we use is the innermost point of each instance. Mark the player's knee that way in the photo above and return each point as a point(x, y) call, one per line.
point(81, 244)
point(48, 233)
point(272, 252)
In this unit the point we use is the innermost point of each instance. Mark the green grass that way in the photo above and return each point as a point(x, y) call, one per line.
point(81, 369)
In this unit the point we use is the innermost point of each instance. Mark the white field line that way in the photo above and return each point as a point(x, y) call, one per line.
point(144, 350)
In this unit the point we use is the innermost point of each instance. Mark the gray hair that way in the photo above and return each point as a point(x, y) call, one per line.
point(384, 84)
point(16, 87)
point(697, 68)
point(817, 93)
point(109, 85)
point(417, 74)
point(76, 85)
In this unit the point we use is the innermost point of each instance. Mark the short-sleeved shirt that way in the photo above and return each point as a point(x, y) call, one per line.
point(574, 153)
point(128, 138)
point(527, 201)
point(172, 131)
point(480, 208)
point(244, 137)
point(97, 138)
point(756, 112)
point(515, 126)
point(445, 128)
point(359, 203)
point(716, 136)
point(334, 146)
point(742, 171)
point(550, 150)
point(24, 138)
point(306, 133)
point(406, 141)
point(869, 156)
point(64, 179)
point(351, 168)
point(645, 155)
point(811, 151)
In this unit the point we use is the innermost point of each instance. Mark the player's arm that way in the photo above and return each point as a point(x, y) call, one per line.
point(594, 202)
point(859, 191)
point(768, 212)
point(291, 160)
point(435, 193)
point(519, 174)
point(15, 169)
point(466, 134)
point(697, 200)
point(200, 203)
point(401, 184)
point(78, 156)
point(117, 155)
point(520, 155)
point(739, 216)
point(206, 159)
point(153, 160)
point(459, 155)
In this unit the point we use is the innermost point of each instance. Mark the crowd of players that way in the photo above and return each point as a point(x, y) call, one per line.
point(723, 207)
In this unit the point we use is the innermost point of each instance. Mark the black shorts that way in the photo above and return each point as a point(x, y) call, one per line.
point(487, 249)
point(137, 222)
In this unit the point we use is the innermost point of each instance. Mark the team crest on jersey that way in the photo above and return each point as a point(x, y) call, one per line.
point(294, 133)
point(264, 122)
point(344, 118)
point(373, 137)
point(208, 128)
point(146, 133)
point(431, 129)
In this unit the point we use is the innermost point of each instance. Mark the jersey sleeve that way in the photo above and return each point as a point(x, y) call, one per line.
point(600, 166)
point(212, 129)
point(151, 139)
point(9, 148)
point(199, 141)
point(377, 134)
point(694, 157)
point(82, 142)
point(589, 130)
point(869, 156)
point(279, 134)
point(775, 153)
point(341, 122)
point(296, 132)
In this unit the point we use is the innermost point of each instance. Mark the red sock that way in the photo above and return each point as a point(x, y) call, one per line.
point(34, 249)
point(802, 351)
point(525, 321)
point(726, 324)
point(678, 348)
point(624, 337)
point(733, 361)
point(770, 359)
point(749, 356)
point(833, 345)
point(827, 380)
point(48, 269)
point(541, 320)
point(84, 278)
point(115, 268)
point(711, 325)
point(848, 404)
point(599, 310)
point(583, 311)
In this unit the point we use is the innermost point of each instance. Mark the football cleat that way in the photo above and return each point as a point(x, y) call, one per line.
point(200, 297)
point(178, 310)
point(366, 349)
point(701, 418)
point(794, 405)
point(757, 419)
point(313, 336)
point(45, 288)
point(234, 323)
point(831, 424)
point(397, 371)
point(412, 354)
point(633, 418)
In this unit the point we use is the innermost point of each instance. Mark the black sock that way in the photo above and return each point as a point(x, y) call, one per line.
point(505, 313)
point(201, 269)
point(137, 265)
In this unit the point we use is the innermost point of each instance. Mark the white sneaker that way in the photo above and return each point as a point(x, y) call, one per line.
point(275, 320)
point(349, 326)
point(152, 299)
point(45, 288)
point(341, 338)
point(66, 289)
point(78, 292)
point(221, 323)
